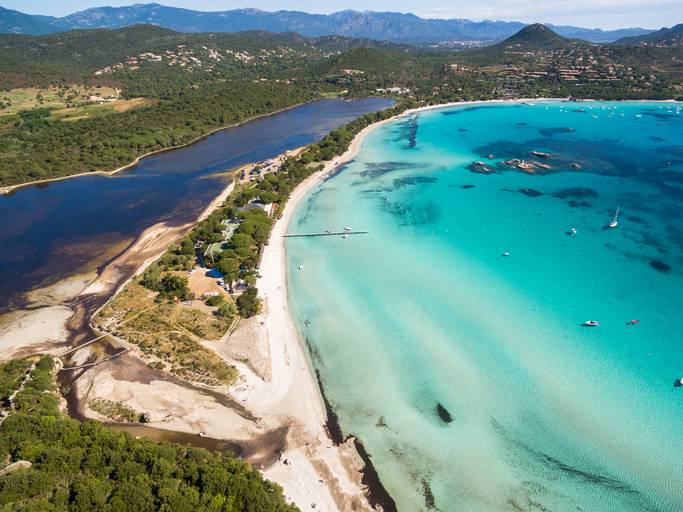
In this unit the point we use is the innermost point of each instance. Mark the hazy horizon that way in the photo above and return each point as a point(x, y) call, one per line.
point(605, 14)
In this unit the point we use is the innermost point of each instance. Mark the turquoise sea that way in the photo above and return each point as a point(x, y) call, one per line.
point(537, 412)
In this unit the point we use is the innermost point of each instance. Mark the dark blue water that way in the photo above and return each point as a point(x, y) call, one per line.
point(53, 230)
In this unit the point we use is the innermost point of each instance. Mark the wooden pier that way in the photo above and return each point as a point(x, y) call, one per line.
point(331, 233)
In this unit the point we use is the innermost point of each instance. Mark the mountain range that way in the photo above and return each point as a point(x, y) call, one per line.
point(389, 26)
point(665, 37)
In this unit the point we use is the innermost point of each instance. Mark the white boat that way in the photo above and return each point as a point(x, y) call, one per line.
point(506, 254)
point(347, 228)
point(615, 220)
point(591, 323)
point(573, 231)
point(301, 267)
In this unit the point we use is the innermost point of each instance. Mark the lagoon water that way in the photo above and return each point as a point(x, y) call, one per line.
point(545, 414)
point(53, 230)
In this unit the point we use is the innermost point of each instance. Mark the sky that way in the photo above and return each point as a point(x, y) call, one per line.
point(607, 14)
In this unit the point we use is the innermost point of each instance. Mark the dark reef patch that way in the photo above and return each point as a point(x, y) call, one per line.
point(551, 132)
point(579, 204)
point(587, 477)
point(467, 186)
point(428, 495)
point(637, 220)
point(338, 170)
point(443, 413)
point(660, 266)
point(463, 130)
point(458, 110)
point(654, 138)
point(564, 193)
point(671, 150)
point(412, 133)
point(412, 180)
point(530, 192)
point(411, 213)
point(375, 170)
point(407, 131)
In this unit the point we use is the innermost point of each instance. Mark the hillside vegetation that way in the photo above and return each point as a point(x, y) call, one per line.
point(62, 464)
point(180, 86)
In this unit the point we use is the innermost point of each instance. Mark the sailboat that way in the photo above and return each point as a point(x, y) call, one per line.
point(615, 220)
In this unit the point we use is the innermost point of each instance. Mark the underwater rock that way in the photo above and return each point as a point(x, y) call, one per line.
point(443, 413)
point(660, 266)
point(530, 192)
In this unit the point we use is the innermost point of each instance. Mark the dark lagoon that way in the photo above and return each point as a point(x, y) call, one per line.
point(53, 230)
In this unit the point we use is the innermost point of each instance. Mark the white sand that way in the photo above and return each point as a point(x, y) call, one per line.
point(34, 330)
point(293, 390)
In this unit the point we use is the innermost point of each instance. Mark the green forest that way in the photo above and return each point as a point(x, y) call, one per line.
point(195, 83)
point(82, 467)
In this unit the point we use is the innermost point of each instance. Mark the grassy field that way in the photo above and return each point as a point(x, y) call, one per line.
point(69, 103)
point(169, 334)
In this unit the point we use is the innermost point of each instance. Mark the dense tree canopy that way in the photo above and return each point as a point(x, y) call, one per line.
point(85, 467)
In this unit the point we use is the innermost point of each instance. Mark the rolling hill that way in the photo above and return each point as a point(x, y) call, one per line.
point(535, 37)
point(665, 37)
point(15, 22)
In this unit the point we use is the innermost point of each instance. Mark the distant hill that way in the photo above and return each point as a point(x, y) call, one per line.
point(665, 37)
point(390, 26)
point(76, 55)
point(535, 37)
point(15, 22)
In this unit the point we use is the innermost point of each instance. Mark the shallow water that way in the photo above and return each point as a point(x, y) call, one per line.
point(53, 230)
point(425, 310)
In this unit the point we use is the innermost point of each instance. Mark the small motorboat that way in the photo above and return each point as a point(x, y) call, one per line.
point(491, 157)
point(347, 228)
point(505, 254)
point(345, 236)
point(633, 322)
point(573, 231)
point(678, 383)
point(591, 323)
point(301, 267)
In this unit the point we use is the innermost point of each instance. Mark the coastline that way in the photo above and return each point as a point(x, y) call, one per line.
point(288, 349)
point(293, 392)
point(296, 389)
point(296, 200)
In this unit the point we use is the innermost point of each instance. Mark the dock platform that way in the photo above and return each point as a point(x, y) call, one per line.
point(331, 233)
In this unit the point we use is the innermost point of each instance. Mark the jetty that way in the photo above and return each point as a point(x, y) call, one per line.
point(325, 233)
